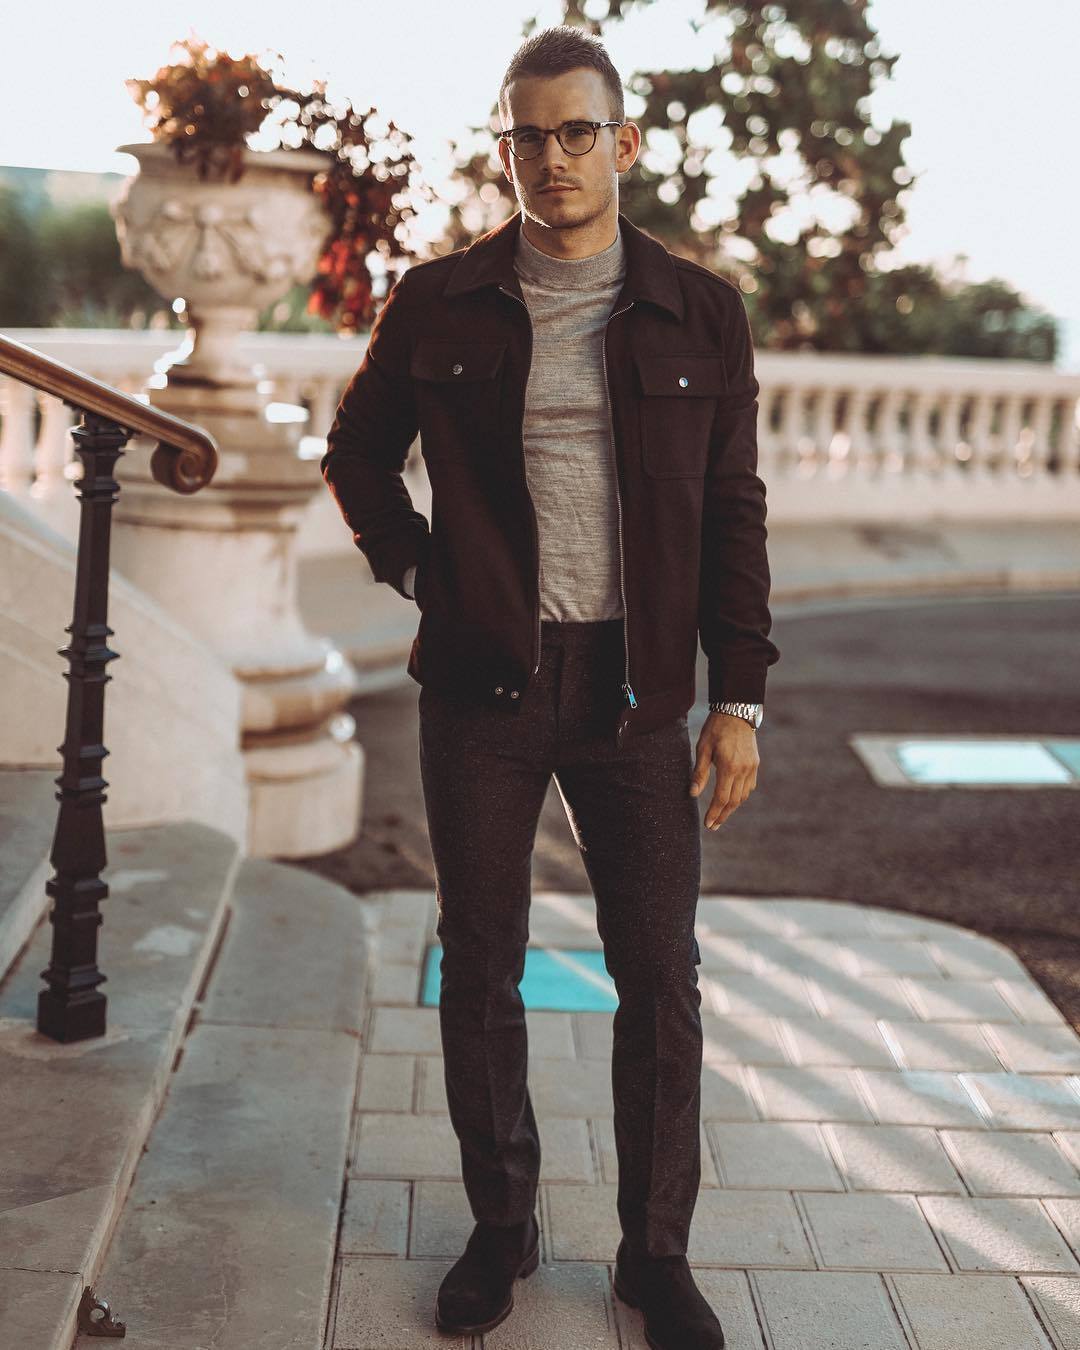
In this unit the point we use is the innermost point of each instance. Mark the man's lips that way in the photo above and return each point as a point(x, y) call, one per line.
point(559, 187)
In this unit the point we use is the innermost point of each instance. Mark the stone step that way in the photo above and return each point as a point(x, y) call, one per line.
point(74, 1118)
point(230, 1229)
point(28, 810)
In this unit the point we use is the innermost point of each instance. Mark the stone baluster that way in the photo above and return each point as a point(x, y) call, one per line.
point(16, 437)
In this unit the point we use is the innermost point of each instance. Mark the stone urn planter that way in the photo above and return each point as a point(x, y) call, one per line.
point(223, 561)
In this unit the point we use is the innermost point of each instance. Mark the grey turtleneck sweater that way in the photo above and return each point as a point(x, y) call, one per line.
point(569, 463)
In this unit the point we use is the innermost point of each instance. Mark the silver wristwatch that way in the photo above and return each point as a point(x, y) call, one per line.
point(754, 713)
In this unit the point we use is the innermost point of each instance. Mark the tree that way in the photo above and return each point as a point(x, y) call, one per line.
point(765, 166)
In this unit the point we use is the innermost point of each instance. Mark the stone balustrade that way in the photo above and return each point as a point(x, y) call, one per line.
point(841, 436)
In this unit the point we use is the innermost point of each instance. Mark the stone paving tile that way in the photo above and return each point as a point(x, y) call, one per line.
point(841, 1042)
point(376, 1218)
point(1037, 1049)
point(783, 993)
point(919, 1097)
point(728, 1039)
point(740, 916)
point(441, 1219)
point(560, 1304)
point(400, 944)
point(395, 982)
point(814, 955)
point(956, 1312)
point(998, 1235)
point(808, 1094)
point(1003, 1162)
point(387, 1304)
point(581, 1222)
point(603, 1132)
point(729, 1228)
point(1066, 1214)
point(404, 1031)
point(870, 1232)
point(386, 1082)
point(737, 1039)
point(970, 956)
point(389, 1144)
point(728, 1294)
point(1029, 1001)
point(892, 956)
point(407, 909)
point(747, 1228)
point(941, 1045)
point(892, 1158)
point(823, 918)
point(569, 1088)
point(851, 996)
point(947, 1000)
point(1058, 1301)
point(725, 1092)
point(768, 1155)
point(1027, 1101)
point(720, 952)
point(826, 1310)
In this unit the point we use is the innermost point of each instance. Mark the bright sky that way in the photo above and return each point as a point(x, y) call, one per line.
point(988, 87)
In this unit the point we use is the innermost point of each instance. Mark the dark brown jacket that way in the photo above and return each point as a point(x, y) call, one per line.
point(449, 356)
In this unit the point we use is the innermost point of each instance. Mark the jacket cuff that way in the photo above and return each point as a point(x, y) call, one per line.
point(741, 684)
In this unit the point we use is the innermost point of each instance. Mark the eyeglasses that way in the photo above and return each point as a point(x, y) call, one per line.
point(576, 138)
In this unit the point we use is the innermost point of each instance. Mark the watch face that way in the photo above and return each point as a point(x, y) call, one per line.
point(759, 714)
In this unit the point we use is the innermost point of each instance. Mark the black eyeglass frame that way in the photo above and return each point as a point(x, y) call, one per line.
point(554, 131)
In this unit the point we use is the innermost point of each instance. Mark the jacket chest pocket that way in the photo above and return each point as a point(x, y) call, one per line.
point(457, 387)
point(677, 397)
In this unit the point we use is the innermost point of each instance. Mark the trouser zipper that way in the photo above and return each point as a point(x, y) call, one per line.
point(525, 478)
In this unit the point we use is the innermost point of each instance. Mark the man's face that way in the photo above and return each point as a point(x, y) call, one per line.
point(549, 101)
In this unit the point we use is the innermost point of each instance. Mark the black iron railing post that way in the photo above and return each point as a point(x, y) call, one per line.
point(72, 1007)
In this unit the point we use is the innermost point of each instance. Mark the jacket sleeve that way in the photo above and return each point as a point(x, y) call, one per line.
point(367, 445)
point(733, 604)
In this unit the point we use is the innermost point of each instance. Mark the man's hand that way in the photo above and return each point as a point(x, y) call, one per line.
point(730, 743)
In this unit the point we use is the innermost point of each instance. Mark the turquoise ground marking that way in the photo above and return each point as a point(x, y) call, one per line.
point(1068, 752)
point(556, 979)
point(970, 761)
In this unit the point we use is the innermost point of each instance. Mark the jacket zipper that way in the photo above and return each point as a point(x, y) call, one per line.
point(628, 692)
point(525, 476)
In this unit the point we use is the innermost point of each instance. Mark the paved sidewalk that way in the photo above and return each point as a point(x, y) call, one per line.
point(890, 1144)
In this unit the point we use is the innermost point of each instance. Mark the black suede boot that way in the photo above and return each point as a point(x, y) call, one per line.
point(677, 1314)
point(477, 1292)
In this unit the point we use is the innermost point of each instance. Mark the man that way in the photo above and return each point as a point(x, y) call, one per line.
point(586, 405)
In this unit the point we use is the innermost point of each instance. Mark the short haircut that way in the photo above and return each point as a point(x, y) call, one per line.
point(554, 51)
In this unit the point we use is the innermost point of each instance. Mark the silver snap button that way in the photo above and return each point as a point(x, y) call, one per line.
point(498, 688)
point(513, 693)
point(456, 370)
point(683, 381)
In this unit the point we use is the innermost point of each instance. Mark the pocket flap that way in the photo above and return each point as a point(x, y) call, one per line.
point(700, 375)
point(445, 359)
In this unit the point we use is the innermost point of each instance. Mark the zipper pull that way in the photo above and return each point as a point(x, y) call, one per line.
point(629, 695)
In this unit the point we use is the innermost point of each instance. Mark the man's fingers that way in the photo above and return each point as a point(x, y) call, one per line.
point(724, 803)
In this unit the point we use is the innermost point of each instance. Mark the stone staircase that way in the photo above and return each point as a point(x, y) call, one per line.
point(189, 1165)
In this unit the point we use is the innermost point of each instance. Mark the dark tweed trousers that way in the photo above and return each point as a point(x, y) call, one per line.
point(485, 774)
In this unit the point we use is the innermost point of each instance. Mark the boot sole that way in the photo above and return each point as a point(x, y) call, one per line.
point(528, 1266)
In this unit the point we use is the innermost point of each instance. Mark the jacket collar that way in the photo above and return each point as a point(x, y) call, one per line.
point(650, 272)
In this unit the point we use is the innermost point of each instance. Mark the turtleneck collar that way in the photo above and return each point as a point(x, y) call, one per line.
point(570, 274)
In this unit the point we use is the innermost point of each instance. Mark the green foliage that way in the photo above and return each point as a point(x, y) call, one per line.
point(60, 267)
point(22, 304)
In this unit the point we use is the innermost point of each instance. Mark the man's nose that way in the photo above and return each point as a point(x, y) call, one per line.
point(553, 155)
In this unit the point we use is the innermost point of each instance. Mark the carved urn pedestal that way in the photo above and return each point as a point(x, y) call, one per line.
point(224, 561)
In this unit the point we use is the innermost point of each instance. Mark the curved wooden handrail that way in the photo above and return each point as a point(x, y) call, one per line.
point(186, 456)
